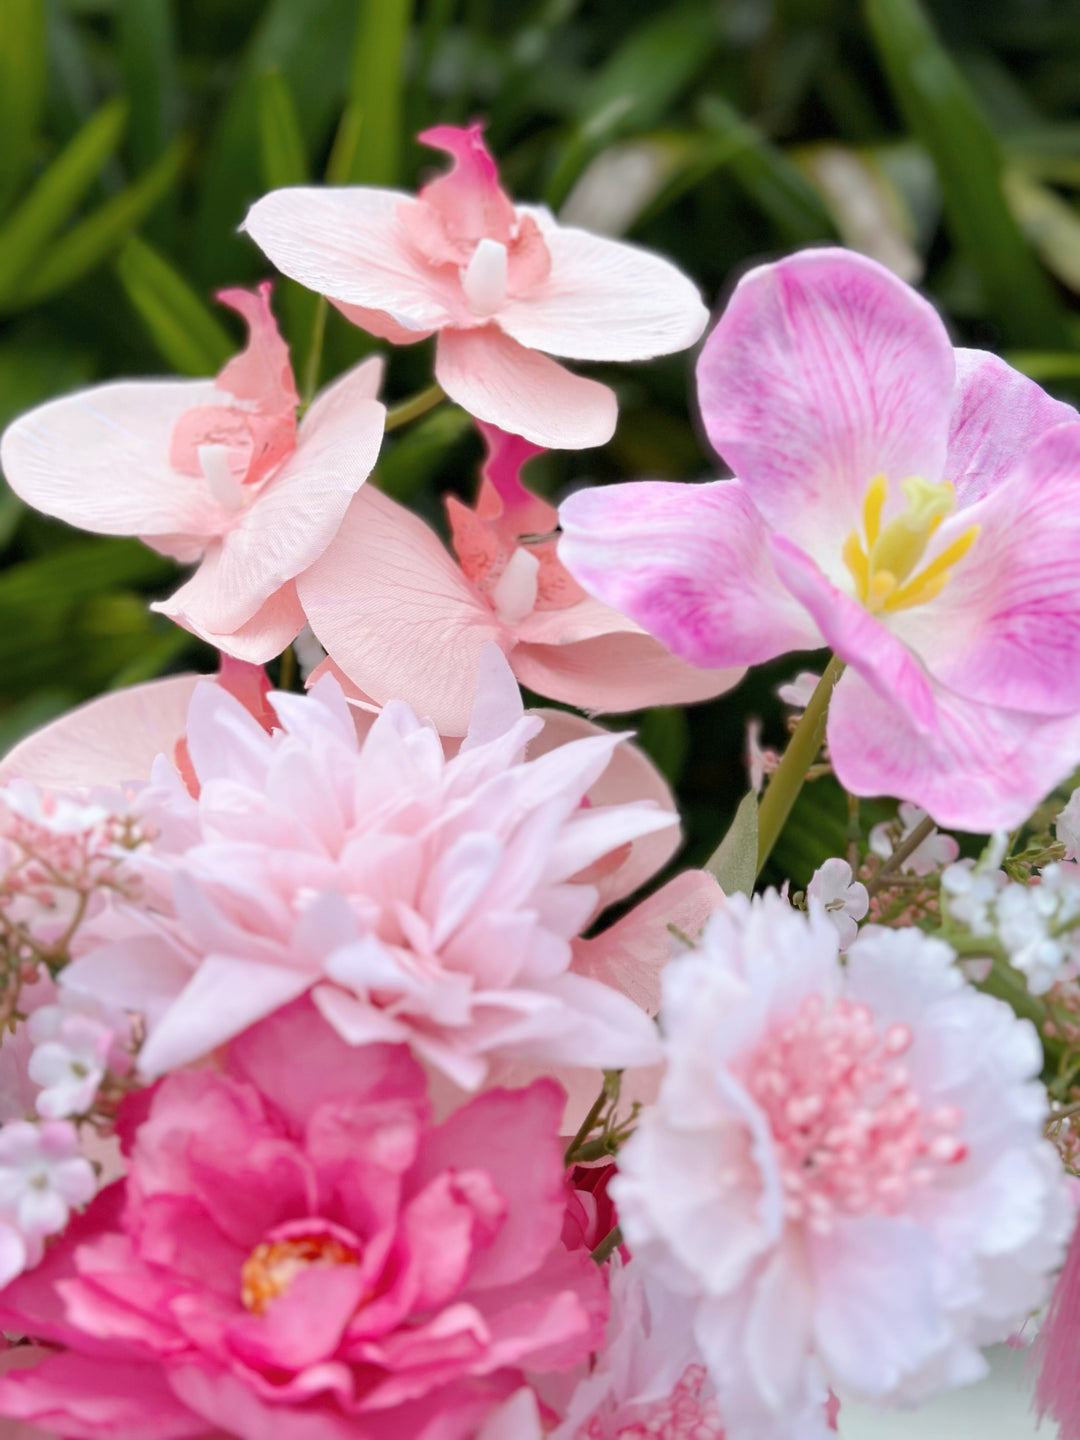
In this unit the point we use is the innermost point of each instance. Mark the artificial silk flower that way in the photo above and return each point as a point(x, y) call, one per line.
point(844, 899)
point(504, 288)
point(297, 1250)
point(928, 856)
point(914, 507)
point(211, 471)
point(399, 618)
point(845, 1174)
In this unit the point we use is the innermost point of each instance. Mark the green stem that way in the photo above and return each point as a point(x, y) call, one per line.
point(800, 754)
point(416, 405)
point(314, 355)
point(607, 1247)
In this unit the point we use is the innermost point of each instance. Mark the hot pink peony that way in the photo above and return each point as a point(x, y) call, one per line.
point(213, 471)
point(399, 618)
point(500, 285)
point(295, 1251)
point(915, 507)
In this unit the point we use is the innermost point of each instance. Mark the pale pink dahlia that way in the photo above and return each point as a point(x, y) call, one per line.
point(504, 288)
point(213, 472)
point(845, 1173)
point(914, 507)
point(296, 1251)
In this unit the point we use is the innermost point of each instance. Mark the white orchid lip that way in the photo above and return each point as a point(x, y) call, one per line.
point(484, 278)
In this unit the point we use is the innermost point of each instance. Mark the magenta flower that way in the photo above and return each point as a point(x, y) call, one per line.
point(914, 507)
point(213, 471)
point(297, 1251)
point(503, 287)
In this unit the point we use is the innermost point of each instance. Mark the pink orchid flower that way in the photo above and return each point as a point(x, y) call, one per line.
point(399, 618)
point(914, 507)
point(213, 471)
point(503, 287)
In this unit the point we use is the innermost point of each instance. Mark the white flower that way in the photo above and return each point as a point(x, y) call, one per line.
point(799, 691)
point(1037, 924)
point(1067, 826)
point(930, 855)
point(845, 1172)
point(42, 1175)
point(74, 1044)
point(844, 900)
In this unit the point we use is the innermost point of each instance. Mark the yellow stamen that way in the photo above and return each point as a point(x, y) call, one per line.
point(932, 580)
point(856, 561)
point(872, 507)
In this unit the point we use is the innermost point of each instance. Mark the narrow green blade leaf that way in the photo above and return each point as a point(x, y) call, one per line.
point(148, 55)
point(942, 112)
point(90, 242)
point(56, 195)
point(22, 89)
point(185, 331)
point(407, 464)
point(376, 89)
point(734, 863)
point(284, 159)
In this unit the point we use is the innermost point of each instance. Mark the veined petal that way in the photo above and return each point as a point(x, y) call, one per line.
point(605, 300)
point(99, 459)
point(824, 371)
point(494, 378)
point(396, 613)
point(626, 670)
point(690, 564)
point(362, 382)
point(347, 243)
point(274, 624)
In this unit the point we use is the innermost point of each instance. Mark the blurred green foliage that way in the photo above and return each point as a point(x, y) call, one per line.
point(941, 136)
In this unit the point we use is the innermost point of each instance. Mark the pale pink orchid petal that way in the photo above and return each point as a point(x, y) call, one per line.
point(343, 395)
point(275, 624)
point(262, 371)
point(690, 564)
point(99, 459)
point(997, 415)
point(605, 300)
point(824, 371)
point(494, 378)
point(616, 671)
point(396, 614)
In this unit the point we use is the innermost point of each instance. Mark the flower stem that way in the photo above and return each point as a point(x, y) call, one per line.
point(607, 1247)
point(314, 356)
point(800, 754)
point(905, 848)
point(416, 405)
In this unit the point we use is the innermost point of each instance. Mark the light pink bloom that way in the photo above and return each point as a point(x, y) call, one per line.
point(914, 507)
point(297, 1251)
point(42, 1176)
point(1067, 826)
point(75, 1042)
point(845, 1173)
point(401, 619)
point(210, 471)
point(503, 287)
point(931, 854)
point(423, 899)
point(798, 692)
point(844, 900)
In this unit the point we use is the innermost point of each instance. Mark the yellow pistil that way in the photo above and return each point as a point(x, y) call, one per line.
point(272, 1266)
point(884, 562)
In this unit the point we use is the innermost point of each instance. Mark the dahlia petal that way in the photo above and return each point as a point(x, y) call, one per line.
point(824, 371)
point(605, 300)
point(998, 414)
point(494, 378)
point(143, 973)
point(498, 706)
point(347, 242)
point(396, 613)
point(690, 564)
point(99, 459)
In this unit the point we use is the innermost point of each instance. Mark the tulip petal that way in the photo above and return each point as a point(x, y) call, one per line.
point(605, 300)
point(824, 371)
point(495, 379)
point(99, 459)
point(690, 564)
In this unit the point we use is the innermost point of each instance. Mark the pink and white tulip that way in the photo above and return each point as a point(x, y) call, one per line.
point(213, 472)
point(914, 507)
point(503, 287)
point(400, 619)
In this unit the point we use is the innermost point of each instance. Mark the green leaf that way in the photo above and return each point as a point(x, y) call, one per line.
point(90, 242)
point(376, 89)
point(943, 113)
point(664, 734)
point(735, 861)
point(25, 716)
point(408, 463)
point(1045, 366)
point(22, 90)
point(284, 160)
point(57, 194)
point(184, 330)
point(1050, 223)
point(147, 52)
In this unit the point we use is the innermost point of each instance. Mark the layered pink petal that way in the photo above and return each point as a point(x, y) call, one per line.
point(107, 741)
point(981, 768)
point(275, 624)
point(1006, 628)
point(690, 564)
point(396, 613)
point(824, 371)
point(998, 414)
point(99, 459)
point(616, 672)
point(85, 1399)
point(494, 378)
point(348, 243)
point(605, 300)
point(262, 372)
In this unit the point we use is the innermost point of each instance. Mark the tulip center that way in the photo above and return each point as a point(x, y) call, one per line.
point(273, 1266)
point(884, 561)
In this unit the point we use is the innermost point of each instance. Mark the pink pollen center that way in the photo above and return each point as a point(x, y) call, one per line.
point(689, 1413)
point(850, 1132)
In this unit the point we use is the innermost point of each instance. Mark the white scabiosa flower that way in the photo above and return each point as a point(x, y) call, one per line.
point(844, 899)
point(845, 1171)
